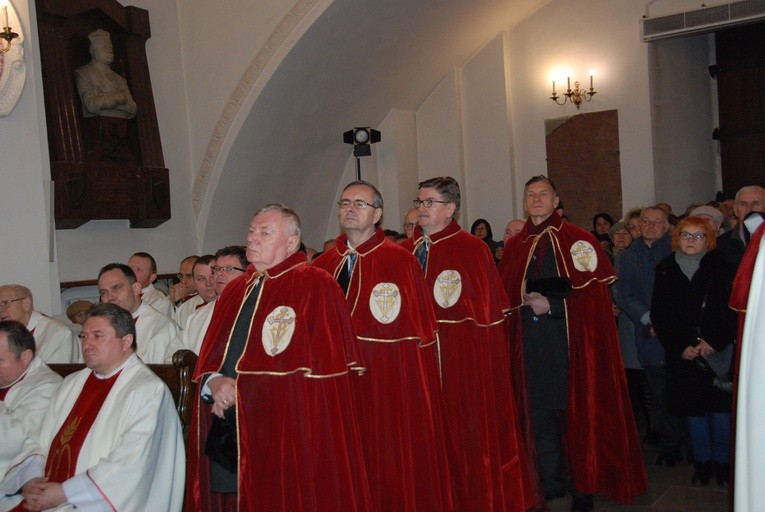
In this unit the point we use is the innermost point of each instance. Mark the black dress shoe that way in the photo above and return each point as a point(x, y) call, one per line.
point(582, 503)
point(722, 473)
point(702, 473)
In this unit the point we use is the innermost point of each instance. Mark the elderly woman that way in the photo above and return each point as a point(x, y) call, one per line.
point(690, 315)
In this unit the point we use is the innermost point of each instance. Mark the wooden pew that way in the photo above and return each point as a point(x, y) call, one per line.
point(177, 376)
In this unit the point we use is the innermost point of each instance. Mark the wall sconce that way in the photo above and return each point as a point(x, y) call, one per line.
point(575, 96)
point(6, 34)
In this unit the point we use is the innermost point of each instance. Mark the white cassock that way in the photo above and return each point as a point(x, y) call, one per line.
point(22, 411)
point(749, 494)
point(154, 332)
point(158, 300)
point(186, 309)
point(133, 457)
point(193, 332)
point(54, 339)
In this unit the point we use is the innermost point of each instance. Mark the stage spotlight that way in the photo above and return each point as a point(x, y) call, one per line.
point(361, 138)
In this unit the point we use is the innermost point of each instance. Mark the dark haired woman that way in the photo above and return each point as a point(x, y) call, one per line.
point(482, 229)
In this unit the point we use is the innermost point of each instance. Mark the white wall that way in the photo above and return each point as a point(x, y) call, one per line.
point(397, 175)
point(24, 238)
point(488, 177)
point(681, 107)
point(596, 34)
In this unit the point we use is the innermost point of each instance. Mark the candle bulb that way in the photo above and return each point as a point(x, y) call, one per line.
point(5, 16)
point(591, 82)
point(553, 87)
point(569, 82)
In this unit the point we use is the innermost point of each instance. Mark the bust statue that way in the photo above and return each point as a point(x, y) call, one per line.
point(102, 91)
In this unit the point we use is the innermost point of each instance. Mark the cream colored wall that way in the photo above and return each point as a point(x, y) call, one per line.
point(600, 35)
point(486, 119)
point(24, 240)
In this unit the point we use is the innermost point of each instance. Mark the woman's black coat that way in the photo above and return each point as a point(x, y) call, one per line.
point(684, 310)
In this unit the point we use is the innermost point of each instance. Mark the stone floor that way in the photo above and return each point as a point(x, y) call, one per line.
point(669, 490)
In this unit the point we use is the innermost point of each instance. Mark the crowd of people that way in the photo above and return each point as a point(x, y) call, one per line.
point(433, 369)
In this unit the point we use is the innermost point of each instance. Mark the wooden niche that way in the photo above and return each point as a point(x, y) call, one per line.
point(103, 167)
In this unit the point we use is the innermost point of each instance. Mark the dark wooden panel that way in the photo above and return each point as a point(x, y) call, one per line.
point(583, 161)
point(104, 167)
point(740, 54)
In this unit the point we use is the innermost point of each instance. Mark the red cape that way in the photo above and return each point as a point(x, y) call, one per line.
point(487, 454)
point(299, 445)
point(601, 437)
point(399, 397)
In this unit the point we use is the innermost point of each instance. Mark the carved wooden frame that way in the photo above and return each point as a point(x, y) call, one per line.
point(135, 188)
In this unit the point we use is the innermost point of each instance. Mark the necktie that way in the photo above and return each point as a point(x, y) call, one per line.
point(344, 276)
point(241, 331)
point(422, 253)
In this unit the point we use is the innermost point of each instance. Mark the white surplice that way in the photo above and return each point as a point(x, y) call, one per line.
point(154, 332)
point(749, 493)
point(55, 341)
point(193, 332)
point(22, 411)
point(158, 301)
point(133, 457)
point(184, 311)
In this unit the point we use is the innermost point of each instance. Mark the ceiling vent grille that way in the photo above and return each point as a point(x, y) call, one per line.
point(703, 20)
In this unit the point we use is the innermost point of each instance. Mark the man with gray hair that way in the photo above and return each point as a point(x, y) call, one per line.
point(636, 277)
point(275, 372)
point(56, 342)
point(733, 243)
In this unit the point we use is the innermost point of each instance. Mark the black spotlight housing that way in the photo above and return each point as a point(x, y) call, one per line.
point(361, 138)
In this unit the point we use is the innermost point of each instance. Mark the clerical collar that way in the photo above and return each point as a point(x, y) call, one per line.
point(130, 361)
point(552, 221)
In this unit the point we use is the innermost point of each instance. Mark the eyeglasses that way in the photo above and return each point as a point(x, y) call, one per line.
point(652, 222)
point(228, 269)
point(7, 302)
point(358, 203)
point(181, 277)
point(427, 203)
point(408, 225)
point(696, 236)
